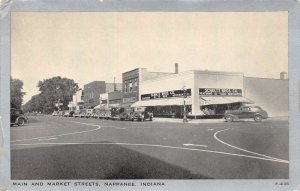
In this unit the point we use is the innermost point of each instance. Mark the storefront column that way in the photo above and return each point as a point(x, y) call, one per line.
point(195, 96)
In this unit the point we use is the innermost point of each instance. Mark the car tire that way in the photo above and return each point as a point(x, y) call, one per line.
point(229, 118)
point(21, 121)
point(257, 118)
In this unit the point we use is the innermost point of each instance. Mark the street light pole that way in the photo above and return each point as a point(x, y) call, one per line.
point(184, 107)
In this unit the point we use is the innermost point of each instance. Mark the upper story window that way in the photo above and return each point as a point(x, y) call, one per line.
point(130, 86)
point(135, 84)
point(125, 86)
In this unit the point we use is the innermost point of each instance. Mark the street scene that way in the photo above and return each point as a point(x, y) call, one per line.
point(78, 148)
point(158, 95)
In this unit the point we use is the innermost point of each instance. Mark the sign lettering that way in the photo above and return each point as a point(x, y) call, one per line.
point(166, 94)
point(220, 92)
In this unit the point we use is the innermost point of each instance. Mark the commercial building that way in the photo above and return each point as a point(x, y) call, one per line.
point(210, 93)
point(132, 79)
point(77, 101)
point(92, 91)
point(110, 99)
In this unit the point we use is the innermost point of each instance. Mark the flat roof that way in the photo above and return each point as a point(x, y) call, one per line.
point(194, 72)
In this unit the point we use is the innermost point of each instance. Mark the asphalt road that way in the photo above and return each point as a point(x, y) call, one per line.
point(72, 148)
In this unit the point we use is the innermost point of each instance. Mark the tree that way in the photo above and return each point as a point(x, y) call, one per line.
point(52, 91)
point(16, 93)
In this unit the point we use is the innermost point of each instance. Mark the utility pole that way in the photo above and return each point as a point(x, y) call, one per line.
point(115, 88)
point(184, 107)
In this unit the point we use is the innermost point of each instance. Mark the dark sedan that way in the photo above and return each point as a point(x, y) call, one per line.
point(17, 117)
point(246, 112)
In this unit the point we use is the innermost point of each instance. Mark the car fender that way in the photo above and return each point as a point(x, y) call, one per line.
point(20, 117)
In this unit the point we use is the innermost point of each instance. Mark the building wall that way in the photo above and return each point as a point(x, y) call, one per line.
point(146, 75)
point(133, 79)
point(271, 94)
point(132, 76)
point(115, 97)
point(92, 91)
point(193, 80)
point(77, 97)
point(110, 87)
point(210, 79)
point(168, 83)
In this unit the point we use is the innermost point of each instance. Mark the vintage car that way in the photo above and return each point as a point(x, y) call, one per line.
point(60, 113)
point(121, 113)
point(141, 114)
point(77, 113)
point(246, 112)
point(88, 113)
point(105, 113)
point(55, 113)
point(82, 113)
point(17, 117)
point(96, 113)
point(68, 113)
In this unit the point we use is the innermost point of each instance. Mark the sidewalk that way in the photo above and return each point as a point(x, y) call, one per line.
point(174, 120)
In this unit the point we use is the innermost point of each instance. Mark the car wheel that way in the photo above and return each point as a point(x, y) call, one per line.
point(257, 118)
point(21, 122)
point(229, 118)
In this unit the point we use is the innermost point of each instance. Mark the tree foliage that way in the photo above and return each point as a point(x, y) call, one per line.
point(16, 93)
point(52, 91)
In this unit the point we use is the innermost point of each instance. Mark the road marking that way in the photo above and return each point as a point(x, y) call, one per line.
point(188, 144)
point(47, 139)
point(64, 134)
point(210, 129)
point(161, 146)
point(258, 154)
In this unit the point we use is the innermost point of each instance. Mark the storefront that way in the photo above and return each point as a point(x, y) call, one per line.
point(204, 94)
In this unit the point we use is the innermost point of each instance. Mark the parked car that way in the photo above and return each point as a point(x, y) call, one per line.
point(60, 113)
point(126, 113)
point(141, 114)
point(96, 113)
point(82, 113)
point(246, 112)
point(68, 113)
point(76, 113)
point(17, 117)
point(55, 113)
point(105, 113)
point(121, 113)
point(89, 113)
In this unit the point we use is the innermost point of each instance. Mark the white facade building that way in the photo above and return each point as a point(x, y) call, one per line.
point(195, 89)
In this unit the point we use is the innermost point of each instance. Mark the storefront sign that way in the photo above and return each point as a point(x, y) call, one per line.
point(166, 94)
point(130, 99)
point(220, 92)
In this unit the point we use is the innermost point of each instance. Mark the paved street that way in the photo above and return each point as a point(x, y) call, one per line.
point(72, 148)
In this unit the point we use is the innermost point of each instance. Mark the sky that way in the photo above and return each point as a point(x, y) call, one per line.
point(94, 46)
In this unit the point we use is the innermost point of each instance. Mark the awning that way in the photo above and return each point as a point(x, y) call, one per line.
point(223, 100)
point(162, 102)
point(100, 106)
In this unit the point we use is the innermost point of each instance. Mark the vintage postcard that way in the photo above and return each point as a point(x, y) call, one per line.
point(149, 95)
